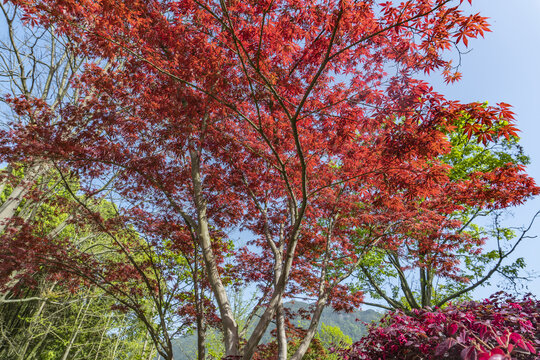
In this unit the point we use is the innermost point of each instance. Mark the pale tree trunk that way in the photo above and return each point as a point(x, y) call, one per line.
point(325, 290)
point(266, 318)
point(35, 350)
point(322, 300)
point(275, 300)
point(145, 344)
point(312, 329)
point(31, 328)
point(426, 282)
point(230, 327)
point(78, 322)
point(105, 329)
point(115, 348)
point(151, 354)
point(199, 297)
point(280, 316)
point(201, 338)
point(9, 208)
point(281, 334)
point(277, 251)
point(22, 72)
point(4, 180)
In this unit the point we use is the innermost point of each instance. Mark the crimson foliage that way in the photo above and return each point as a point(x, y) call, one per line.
point(501, 327)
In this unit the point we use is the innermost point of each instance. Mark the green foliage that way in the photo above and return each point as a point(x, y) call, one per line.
point(81, 325)
point(332, 339)
point(49, 318)
point(316, 350)
point(332, 336)
point(467, 156)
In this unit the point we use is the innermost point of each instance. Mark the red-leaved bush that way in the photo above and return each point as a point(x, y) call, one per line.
point(497, 328)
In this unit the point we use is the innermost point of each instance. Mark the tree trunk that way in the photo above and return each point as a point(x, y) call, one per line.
point(151, 355)
point(81, 315)
point(9, 208)
point(312, 329)
point(105, 329)
point(230, 328)
point(37, 347)
point(280, 316)
point(30, 330)
point(426, 282)
point(4, 180)
point(275, 300)
point(199, 306)
point(281, 334)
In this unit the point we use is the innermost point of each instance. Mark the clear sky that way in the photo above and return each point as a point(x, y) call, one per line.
point(505, 66)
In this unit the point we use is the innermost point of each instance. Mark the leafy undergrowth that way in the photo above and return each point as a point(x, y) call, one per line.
point(501, 327)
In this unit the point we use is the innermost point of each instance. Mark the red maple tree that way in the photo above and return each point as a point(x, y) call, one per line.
point(303, 122)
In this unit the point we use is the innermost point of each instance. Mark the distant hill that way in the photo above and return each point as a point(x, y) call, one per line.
point(351, 324)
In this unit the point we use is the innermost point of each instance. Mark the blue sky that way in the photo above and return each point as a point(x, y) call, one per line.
point(505, 66)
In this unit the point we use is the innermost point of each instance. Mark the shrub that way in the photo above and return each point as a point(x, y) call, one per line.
point(497, 328)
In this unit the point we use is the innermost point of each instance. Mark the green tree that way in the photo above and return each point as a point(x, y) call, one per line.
point(49, 317)
point(403, 279)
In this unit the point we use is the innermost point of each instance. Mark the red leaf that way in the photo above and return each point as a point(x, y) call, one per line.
point(469, 353)
point(445, 346)
point(452, 328)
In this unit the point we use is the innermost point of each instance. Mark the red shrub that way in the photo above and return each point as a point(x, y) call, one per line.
point(498, 328)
